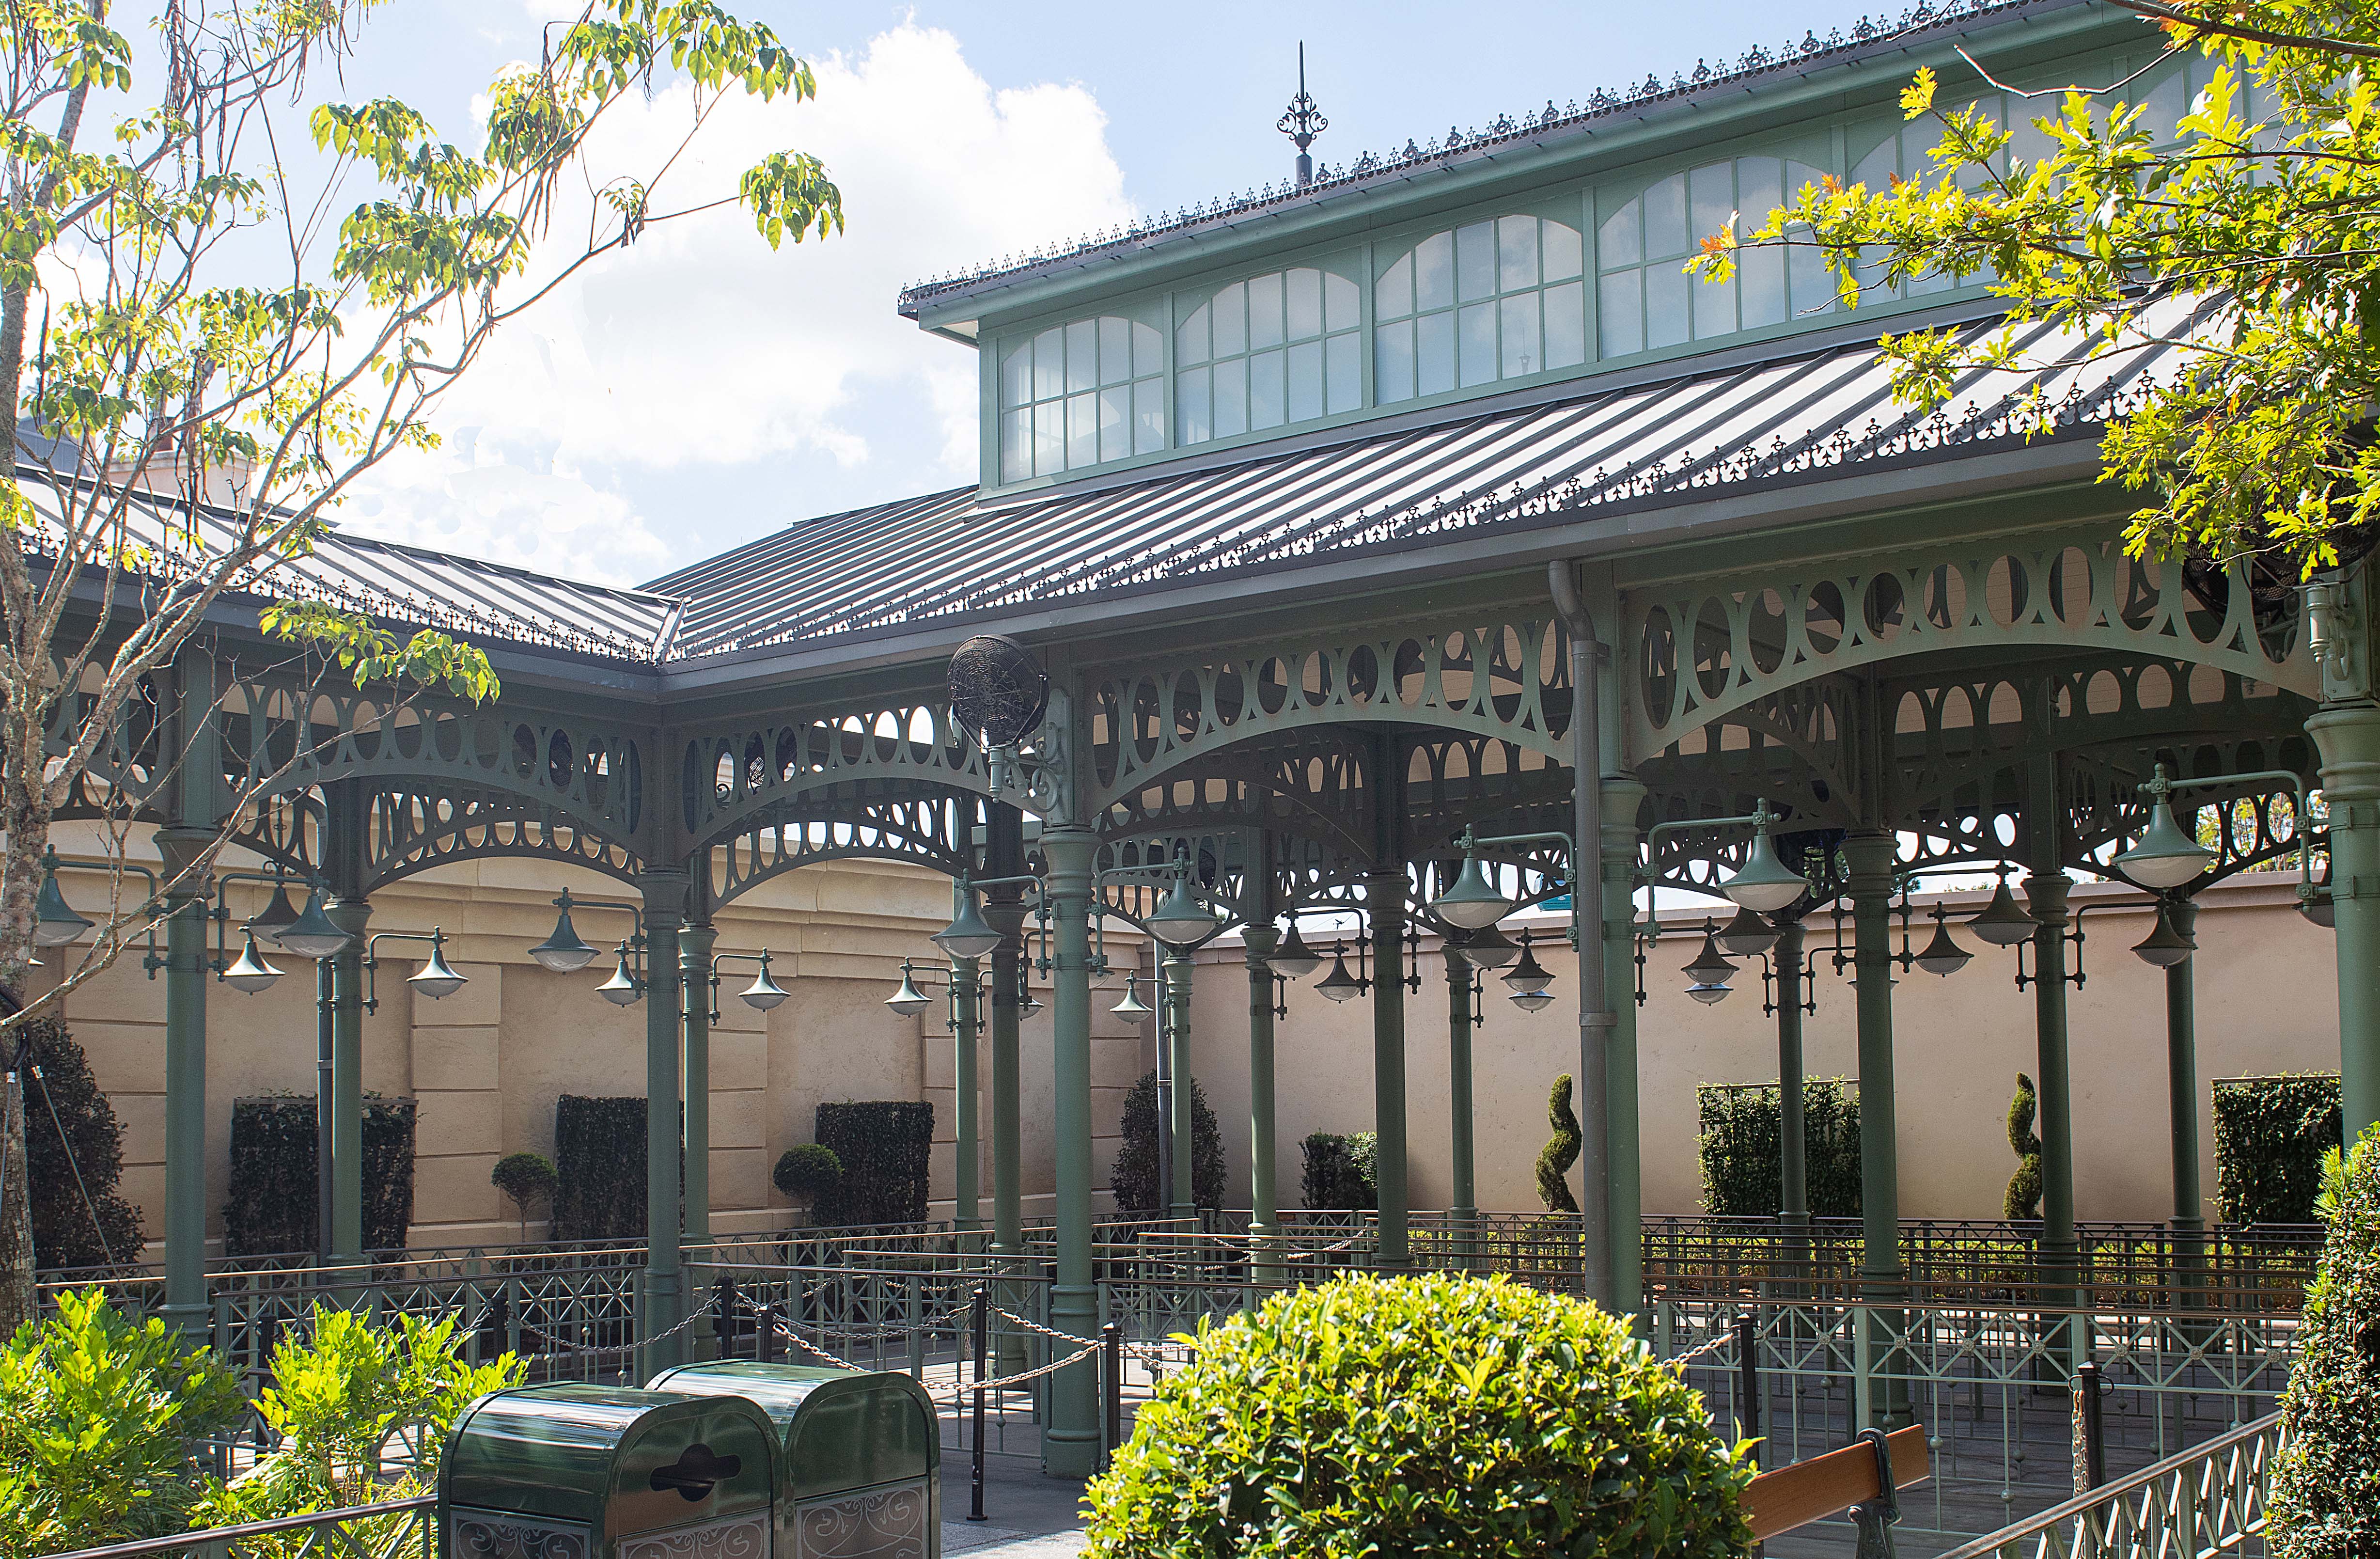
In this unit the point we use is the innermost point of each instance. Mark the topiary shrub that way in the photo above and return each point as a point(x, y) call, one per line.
point(2022, 1198)
point(599, 1167)
point(523, 1178)
point(806, 1172)
point(886, 1150)
point(1560, 1150)
point(1334, 1176)
point(2269, 1137)
point(273, 1197)
point(1741, 1145)
point(2326, 1492)
point(1435, 1414)
point(74, 1158)
point(1133, 1176)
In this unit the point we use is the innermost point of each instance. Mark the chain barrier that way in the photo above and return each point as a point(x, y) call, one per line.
point(1678, 1361)
point(960, 1390)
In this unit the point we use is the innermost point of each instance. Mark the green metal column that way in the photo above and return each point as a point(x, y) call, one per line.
point(2181, 1085)
point(695, 943)
point(352, 915)
point(1624, 1164)
point(186, 968)
point(1070, 1441)
point(2045, 890)
point(1003, 909)
point(663, 1344)
point(966, 1148)
point(1384, 900)
point(2349, 739)
point(1883, 1279)
point(1463, 1189)
point(1264, 1206)
point(1173, 1033)
point(1793, 1201)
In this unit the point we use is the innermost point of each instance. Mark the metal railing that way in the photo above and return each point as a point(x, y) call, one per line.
point(2208, 1500)
point(404, 1528)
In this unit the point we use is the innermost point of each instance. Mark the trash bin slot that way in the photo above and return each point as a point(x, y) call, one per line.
point(696, 1472)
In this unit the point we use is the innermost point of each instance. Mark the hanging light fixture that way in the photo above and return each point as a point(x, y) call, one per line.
point(909, 1000)
point(1764, 884)
point(1030, 1004)
point(1294, 957)
point(1942, 956)
point(2165, 945)
point(2315, 904)
point(1339, 985)
point(1489, 949)
point(54, 922)
point(251, 973)
point(2003, 922)
point(312, 935)
point(764, 994)
point(1533, 1001)
point(278, 914)
point(436, 979)
point(563, 951)
point(968, 935)
point(1709, 971)
point(1472, 903)
point(1179, 919)
point(2166, 857)
point(1132, 1009)
point(621, 989)
point(1528, 974)
point(1746, 934)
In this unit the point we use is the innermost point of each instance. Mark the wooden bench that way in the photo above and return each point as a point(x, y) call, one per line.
point(1795, 1496)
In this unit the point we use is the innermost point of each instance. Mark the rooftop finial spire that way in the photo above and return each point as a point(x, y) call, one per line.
point(1303, 123)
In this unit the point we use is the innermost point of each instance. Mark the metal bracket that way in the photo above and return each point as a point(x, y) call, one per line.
point(1874, 1517)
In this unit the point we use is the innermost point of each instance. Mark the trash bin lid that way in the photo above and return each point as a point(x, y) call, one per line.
point(615, 1459)
point(841, 1429)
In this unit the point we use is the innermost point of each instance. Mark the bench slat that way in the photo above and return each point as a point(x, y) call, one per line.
point(1795, 1496)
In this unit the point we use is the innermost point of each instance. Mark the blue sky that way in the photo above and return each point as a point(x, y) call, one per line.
point(700, 389)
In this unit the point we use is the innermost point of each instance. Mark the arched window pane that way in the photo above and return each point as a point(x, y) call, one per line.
point(1305, 303)
point(1665, 219)
point(1564, 250)
point(1232, 321)
point(1474, 261)
point(1190, 337)
point(1619, 308)
point(1666, 298)
point(1434, 271)
point(1230, 399)
point(1343, 371)
point(1076, 401)
point(1565, 325)
point(1434, 353)
point(1148, 350)
point(1268, 404)
point(1264, 311)
point(1516, 252)
point(1083, 355)
point(1394, 297)
point(1017, 444)
point(1049, 364)
point(1478, 343)
point(1148, 416)
point(1115, 422)
point(1343, 305)
point(1620, 240)
point(1193, 413)
point(1297, 357)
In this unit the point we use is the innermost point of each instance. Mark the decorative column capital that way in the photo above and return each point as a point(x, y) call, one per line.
point(182, 849)
point(1260, 940)
point(696, 942)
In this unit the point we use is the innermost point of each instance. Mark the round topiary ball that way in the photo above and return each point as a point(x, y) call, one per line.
point(807, 1171)
point(1435, 1414)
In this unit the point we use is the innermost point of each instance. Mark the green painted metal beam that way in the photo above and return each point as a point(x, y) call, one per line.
point(1264, 1205)
point(1070, 1439)
point(2348, 737)
point(1177, 969)
point(661, 1340)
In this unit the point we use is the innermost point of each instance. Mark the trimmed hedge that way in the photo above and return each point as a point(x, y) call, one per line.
point(84, 1222)
point(1742, 1150)
point(271, 1203)
point(1339, 1169)
point(599, 1167)
point(886, 1150)
point(2326, 1498)
point(1133, 1177)
point(2270, 1134)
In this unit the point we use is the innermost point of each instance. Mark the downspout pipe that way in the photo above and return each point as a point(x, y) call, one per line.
point(1596, 1019)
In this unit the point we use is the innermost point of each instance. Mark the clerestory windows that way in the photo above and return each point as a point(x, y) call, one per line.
point(1080, 395)
point(1272, 351)
point(1497, 300)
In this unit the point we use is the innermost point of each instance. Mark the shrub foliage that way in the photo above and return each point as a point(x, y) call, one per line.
point(806, 1170)
point(1560, 1150)
point(1134, 1175)
point(2326, 1499)
point(523, 1178)
point(1742, 1150)
point(1338, 1170)
point(74, 1155)
point(885, 1148)
point(1437, 1415)
point(2022, 1198)
point(2269, 1137)
point(599, 1167)
point(274, 1195)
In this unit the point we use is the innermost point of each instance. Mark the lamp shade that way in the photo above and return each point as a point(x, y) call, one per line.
point(1132, 1009)
point(2165, 945)
point(2166, 857)
point(311, 936)
point(1533, 1001)
point(1030, 1004)
point(1294, 957)
point(436, 979)
point(1528, 974)
point(1710, 995)
point(1339, 985)
point(277, 915)
point(251, 973)
point(1489, 949)
point(1472, 903)
point(909, 1000)
point(1746, 934)
point(2315, 906)
point(563, 951)
point(622, 989)
point(2003, 922)
point(54, 922)
point(1942, 956)
point(1710, 966)
point(1765, 884)
point(1180, 919)
point(968, 936)
point(764, 992)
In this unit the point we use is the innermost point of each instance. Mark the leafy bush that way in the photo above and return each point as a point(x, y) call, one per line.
point(2022, 1199)
point(274, 1197)
point(1742, 1148)
point(1435, 1415)
point(2269, 1137)
point(1338, 1170)
point(74, 1153)
point(1560, 1150)
point(97, 1414)
point(523, 1178)
point(886, 1150)
point(806, 1172)
point(2326, 1498)
point(599, 1168)
point(1133, 1177)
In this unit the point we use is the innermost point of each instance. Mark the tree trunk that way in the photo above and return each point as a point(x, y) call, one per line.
point(24, 810)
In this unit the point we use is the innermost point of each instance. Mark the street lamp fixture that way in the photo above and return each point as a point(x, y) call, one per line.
point(54, 922)
point(909, 1000)
point(1709, 971)
point(763, 994)
point(1179, 919)
point(1942, 956)
point(1489, 949)
point(1339, 985)
point(1472, 903)
point(1528, 974)
point(563, 951)
point(1294, 957)
point(435, 978)
point(278, 914)
point(1747, 934)
point(2003, 922)
point(2315, 904)
point(1533, 1001)
point(251, 973)
point(1765, 884)
point(1132, 1009)
point(311, 934)
point(968, 936)
point(2165, 947)
point(2166, 857)
point(623, 989)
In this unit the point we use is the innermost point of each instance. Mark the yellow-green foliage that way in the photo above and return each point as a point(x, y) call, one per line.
point(2326, 1501)
point(1560, 1150)
point(1421, 1416)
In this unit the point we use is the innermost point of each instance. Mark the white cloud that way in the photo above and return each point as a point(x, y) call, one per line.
point(700, 346)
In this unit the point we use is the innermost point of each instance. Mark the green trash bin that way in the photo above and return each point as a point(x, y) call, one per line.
point(572, 1471)
point(859, 1454)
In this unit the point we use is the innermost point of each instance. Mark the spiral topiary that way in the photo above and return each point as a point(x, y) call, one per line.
point(1437, 1415)
point(2024, 1197)
point(1559, 1152)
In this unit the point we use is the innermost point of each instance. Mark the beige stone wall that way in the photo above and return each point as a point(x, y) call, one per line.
point(2266, 1002)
